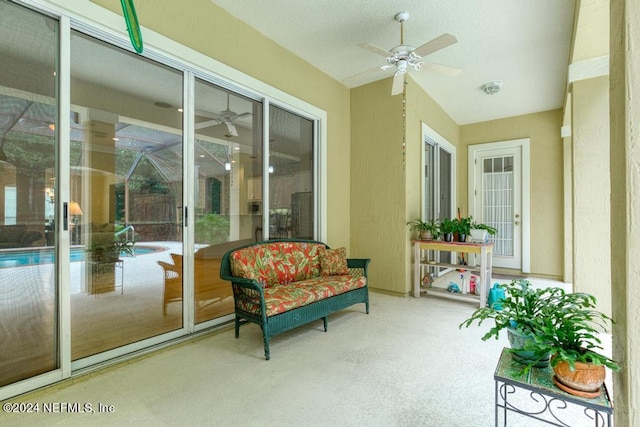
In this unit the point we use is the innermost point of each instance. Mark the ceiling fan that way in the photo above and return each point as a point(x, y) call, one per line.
point(227, 117)
point(404, 57)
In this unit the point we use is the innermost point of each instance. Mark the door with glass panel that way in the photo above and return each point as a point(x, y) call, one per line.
point(28, 288)
point(228, 171)
point(498, 201)
point(126, 190)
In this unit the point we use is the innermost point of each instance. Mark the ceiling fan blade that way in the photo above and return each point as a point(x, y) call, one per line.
point(206, 124)
point(240, 116)
point(398, 83)
point(445, 70)
point(375, 49)
point(231, 129)
point(208, 115)
point(436, 44)
point(366, 73)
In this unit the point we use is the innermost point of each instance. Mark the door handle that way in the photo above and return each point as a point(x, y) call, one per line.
point(516, 223)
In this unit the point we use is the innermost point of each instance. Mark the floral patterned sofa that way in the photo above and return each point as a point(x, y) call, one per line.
point(283, 284)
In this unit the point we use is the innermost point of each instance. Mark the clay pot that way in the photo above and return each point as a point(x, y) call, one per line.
point(425, 235)
point(586, 377)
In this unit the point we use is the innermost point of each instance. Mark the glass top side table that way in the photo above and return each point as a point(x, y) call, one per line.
point(545, 401)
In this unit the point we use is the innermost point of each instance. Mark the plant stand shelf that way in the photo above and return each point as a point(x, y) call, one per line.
point(534, 395)
point(443, 293)
point(485, 250)
point(102, 277)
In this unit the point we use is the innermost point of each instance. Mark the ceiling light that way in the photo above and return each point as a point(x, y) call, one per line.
point(491, 88)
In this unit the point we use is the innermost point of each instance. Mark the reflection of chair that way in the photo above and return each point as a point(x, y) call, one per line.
point(209, 287)
point(172, 282)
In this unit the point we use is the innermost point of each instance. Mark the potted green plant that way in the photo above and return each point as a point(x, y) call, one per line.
point(427, 230)
point(109, 249)
point(447, 228)
point(522, 311)
point(568, 329)
point(462, 227)
point(212, 229)
point(103, 251)
point(480, 232)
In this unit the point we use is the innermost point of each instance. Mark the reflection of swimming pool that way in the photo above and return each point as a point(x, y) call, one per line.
point(45, 255)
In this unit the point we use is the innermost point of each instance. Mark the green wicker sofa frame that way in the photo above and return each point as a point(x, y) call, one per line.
point(274, 324)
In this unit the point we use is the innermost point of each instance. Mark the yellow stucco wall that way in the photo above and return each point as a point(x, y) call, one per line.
point(378, 184)
point(543, 129)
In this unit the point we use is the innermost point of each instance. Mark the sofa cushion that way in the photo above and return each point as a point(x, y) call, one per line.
point(281, 298)
point(333, 262)
point(277, 262)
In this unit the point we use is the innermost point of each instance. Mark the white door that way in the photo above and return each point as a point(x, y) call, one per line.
point(496, 173)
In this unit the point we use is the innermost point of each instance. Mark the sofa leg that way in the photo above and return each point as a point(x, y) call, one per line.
point(366, 303)
point(265, 338)
point(324, 321)
point(237, 327)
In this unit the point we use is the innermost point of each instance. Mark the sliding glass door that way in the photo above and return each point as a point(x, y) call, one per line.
point(228, 171)
point(438, 181)
point(290, 171)
point(28, 288)
point(126, 196)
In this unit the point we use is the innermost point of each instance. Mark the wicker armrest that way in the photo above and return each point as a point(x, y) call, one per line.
point(249, 284)
point(358, 266)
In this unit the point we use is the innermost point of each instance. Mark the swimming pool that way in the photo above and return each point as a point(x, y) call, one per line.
point(23, 257)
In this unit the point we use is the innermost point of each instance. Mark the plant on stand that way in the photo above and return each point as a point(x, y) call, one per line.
point(523, 310)
point(427, 230)
point(550, 322)
point(569, 330)
point(447, 228)
point(462, 227)
point(480, 232)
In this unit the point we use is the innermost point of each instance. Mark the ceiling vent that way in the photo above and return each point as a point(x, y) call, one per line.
point(491, 88)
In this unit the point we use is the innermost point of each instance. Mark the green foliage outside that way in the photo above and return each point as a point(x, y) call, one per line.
point(212, 229)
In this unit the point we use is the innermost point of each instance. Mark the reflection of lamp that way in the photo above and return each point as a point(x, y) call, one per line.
point(74, 209)
point(75, 212)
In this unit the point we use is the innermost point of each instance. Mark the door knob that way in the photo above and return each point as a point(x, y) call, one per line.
point(516, 223)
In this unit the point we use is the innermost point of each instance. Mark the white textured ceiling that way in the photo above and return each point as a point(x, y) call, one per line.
point(523, 43)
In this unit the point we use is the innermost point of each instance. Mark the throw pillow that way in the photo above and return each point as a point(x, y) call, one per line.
point(333, 262)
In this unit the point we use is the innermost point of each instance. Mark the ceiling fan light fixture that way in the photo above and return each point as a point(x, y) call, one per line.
point(491, 88)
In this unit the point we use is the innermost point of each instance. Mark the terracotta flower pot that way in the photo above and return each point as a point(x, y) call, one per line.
point(586, 377)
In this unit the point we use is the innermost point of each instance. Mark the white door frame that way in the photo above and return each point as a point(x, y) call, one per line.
point(523, 144)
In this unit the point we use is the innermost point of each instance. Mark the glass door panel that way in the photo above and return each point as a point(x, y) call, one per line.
point(126, 197)
point(445, 193)
point(228, 189)
point(291, 194)
point(28, 289)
